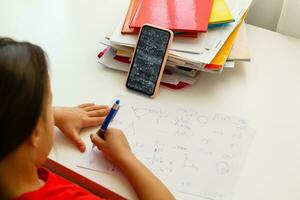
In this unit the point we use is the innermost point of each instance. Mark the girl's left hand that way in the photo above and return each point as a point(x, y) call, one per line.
point(70, 120)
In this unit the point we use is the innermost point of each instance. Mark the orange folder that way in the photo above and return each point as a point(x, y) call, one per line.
point(130, 14)
point(177, 15)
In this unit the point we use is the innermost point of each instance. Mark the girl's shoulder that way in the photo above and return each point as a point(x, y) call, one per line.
point(56, 187)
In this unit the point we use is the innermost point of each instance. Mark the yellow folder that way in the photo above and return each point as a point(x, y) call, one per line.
point(220, 13)
point(224, 52)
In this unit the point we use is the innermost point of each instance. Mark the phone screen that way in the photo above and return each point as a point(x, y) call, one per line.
point(148, 59)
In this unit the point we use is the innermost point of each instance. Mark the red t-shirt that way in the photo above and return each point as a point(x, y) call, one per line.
point(57, 188)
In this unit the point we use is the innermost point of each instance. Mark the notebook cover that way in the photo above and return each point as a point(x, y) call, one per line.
point(130, 14)
point(179, 86)
point(220, 13)
point(135, 31)
point(177, 15)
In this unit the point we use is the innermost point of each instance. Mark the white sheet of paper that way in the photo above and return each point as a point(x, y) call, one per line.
point(201, 49)
point(197, 155)
point(108, 61)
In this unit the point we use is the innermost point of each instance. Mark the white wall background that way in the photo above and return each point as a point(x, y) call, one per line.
point(265, 13)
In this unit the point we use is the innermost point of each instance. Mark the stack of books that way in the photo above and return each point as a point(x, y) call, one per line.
point(210, 35)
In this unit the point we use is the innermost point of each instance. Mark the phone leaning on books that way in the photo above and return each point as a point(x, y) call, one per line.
point(149, 59)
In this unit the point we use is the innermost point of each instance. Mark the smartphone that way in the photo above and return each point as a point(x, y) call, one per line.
point(149, 59)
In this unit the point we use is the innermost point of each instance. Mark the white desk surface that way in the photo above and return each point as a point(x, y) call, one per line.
point(266, 91)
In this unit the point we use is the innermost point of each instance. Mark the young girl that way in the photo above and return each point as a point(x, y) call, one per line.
point(27, 120)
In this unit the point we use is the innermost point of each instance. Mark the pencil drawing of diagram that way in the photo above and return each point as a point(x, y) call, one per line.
point(222, 168)
point(202, 120)
point(140, 112)
point(189, 163)
point(129, 129)
point(158, 149)
point(143, 112)
point(182, 123)
point(159, 161)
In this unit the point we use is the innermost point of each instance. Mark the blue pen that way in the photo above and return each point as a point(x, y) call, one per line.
point(112, 113)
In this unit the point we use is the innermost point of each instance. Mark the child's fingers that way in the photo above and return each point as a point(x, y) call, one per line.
point(98, 113)
point(95, 107)
point(78, 141)
point(96, 140)
point(94, 121)
point(86, 105)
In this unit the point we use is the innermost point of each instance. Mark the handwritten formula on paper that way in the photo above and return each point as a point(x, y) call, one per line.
point(194, 153)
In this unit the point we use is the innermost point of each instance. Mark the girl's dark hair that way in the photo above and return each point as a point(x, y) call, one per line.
point(23, 85)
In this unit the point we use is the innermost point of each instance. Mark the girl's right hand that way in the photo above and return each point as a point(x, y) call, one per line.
point(115, 146)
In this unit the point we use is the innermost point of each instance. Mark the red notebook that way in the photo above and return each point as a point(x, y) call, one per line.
point(177, 15)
